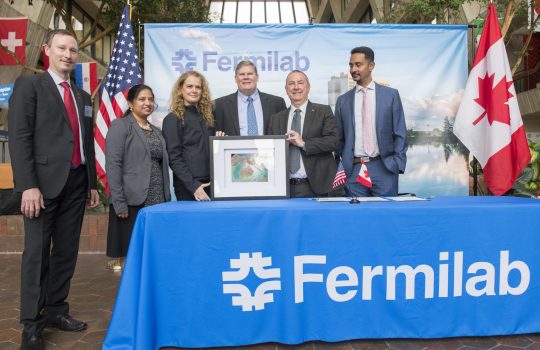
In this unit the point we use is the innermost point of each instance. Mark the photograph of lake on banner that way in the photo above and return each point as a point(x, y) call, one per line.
point(436, 163)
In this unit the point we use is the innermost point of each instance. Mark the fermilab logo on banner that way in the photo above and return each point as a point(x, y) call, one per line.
point(271, 61)
point(343, 284)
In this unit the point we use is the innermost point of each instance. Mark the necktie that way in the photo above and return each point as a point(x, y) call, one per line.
point(367, 124)
point(74, 121)
point(294, 151)
point(251, 118)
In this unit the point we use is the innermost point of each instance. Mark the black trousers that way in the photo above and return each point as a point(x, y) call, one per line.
point(301, 190)
point(51, 245)
point(183, 194)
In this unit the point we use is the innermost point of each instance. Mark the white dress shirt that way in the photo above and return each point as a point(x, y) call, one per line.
point(58, 80)
point(301, 173)
point(242, 113)
point(359, 135)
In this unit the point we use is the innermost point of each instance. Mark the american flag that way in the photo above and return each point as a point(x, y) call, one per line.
point(341, 177)
point(123, 73)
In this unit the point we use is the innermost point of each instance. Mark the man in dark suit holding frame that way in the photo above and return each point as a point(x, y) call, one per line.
point(312, 135)
point(246, 112)
point(51, 145)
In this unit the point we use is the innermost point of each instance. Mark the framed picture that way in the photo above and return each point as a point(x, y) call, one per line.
point(249, 167)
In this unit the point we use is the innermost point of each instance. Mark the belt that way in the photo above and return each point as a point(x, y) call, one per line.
point(296, 181)
point(357, 160)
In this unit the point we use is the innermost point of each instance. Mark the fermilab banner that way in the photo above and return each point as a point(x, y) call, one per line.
point(426, 63)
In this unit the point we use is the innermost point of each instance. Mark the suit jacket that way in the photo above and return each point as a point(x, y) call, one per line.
point(129, 164)
point(40, 136)
point(188, 146)
point(319, 132)
point(226, 112)
point(389, 124)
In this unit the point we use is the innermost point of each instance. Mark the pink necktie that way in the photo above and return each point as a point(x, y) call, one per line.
point(74, 121)
point(367, 124)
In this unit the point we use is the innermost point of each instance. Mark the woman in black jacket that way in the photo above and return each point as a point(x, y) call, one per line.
point(186, 130)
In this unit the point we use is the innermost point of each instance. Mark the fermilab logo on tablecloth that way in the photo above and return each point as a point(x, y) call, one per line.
point(342, 283)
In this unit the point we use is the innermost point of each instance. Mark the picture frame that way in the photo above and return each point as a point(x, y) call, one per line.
point(249, 167)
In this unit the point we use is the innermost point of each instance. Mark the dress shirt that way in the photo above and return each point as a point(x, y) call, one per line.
point(359, 135)
point(301, 173)
point(58, 80)
point(242, 112)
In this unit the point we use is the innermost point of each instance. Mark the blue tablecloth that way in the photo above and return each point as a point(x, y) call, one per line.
point(242, 272)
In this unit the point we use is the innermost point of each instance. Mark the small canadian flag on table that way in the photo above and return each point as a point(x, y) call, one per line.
point(488, 121)
point(13, 40)
point(363, 176)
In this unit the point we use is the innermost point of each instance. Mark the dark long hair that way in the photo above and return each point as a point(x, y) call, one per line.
point(134, 92)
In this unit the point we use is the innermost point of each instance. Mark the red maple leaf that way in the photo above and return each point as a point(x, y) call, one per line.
point(494, 99)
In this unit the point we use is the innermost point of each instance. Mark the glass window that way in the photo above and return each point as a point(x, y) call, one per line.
point(106, 48)
point(87, 24)
point(301, 12)
point(215, 11)
point(244, 9)
point(257, 15)
point(229, 12)
point(272, 12)
point(76, 22)
point(259, 11)
point(99, 47)
point(287, 14)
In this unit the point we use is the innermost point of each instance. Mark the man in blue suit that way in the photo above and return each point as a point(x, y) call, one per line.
point(371, 127)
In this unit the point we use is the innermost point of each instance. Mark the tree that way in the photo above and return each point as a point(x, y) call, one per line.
point(513, 14)
point(143, 11)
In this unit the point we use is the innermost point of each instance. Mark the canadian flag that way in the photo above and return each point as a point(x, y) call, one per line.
point(488, 121)
point(13, 40)
point(363, 176)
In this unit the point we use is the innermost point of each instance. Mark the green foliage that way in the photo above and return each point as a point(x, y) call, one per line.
point(158, 11)
point(528, 182)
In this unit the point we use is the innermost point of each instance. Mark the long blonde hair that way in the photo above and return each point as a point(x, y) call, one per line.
point(204, 106)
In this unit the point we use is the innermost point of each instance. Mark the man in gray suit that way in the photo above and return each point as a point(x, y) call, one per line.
point(372, 130)
point(51, 144)
point(247, 111)
point(312, 133)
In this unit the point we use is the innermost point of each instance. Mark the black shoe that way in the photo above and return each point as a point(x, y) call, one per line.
point(66, 323)
point(31, 341)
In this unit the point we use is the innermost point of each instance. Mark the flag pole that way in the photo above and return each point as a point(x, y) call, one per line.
point(474, 160)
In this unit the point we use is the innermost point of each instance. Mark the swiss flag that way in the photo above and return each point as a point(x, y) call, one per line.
point(13, 40)
point(488, 121)
point(363, 176)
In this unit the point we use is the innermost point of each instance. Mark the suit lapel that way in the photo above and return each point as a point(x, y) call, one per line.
point(80, 108)
point(284, 119)
point(233, 102)
point(378, 105)
point(352, 102)
point(310, 114)
point(49, 85)
point(265, 108)
point(139, 132)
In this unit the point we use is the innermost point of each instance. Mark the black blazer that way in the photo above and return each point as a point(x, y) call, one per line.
point(188, 146)
point(319, 132)
point(40, 136)
point(226, 112)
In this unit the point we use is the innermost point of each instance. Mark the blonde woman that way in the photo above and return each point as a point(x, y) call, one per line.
point(186, 130)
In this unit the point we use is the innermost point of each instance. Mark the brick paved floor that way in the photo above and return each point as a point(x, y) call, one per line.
point(93, 291)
